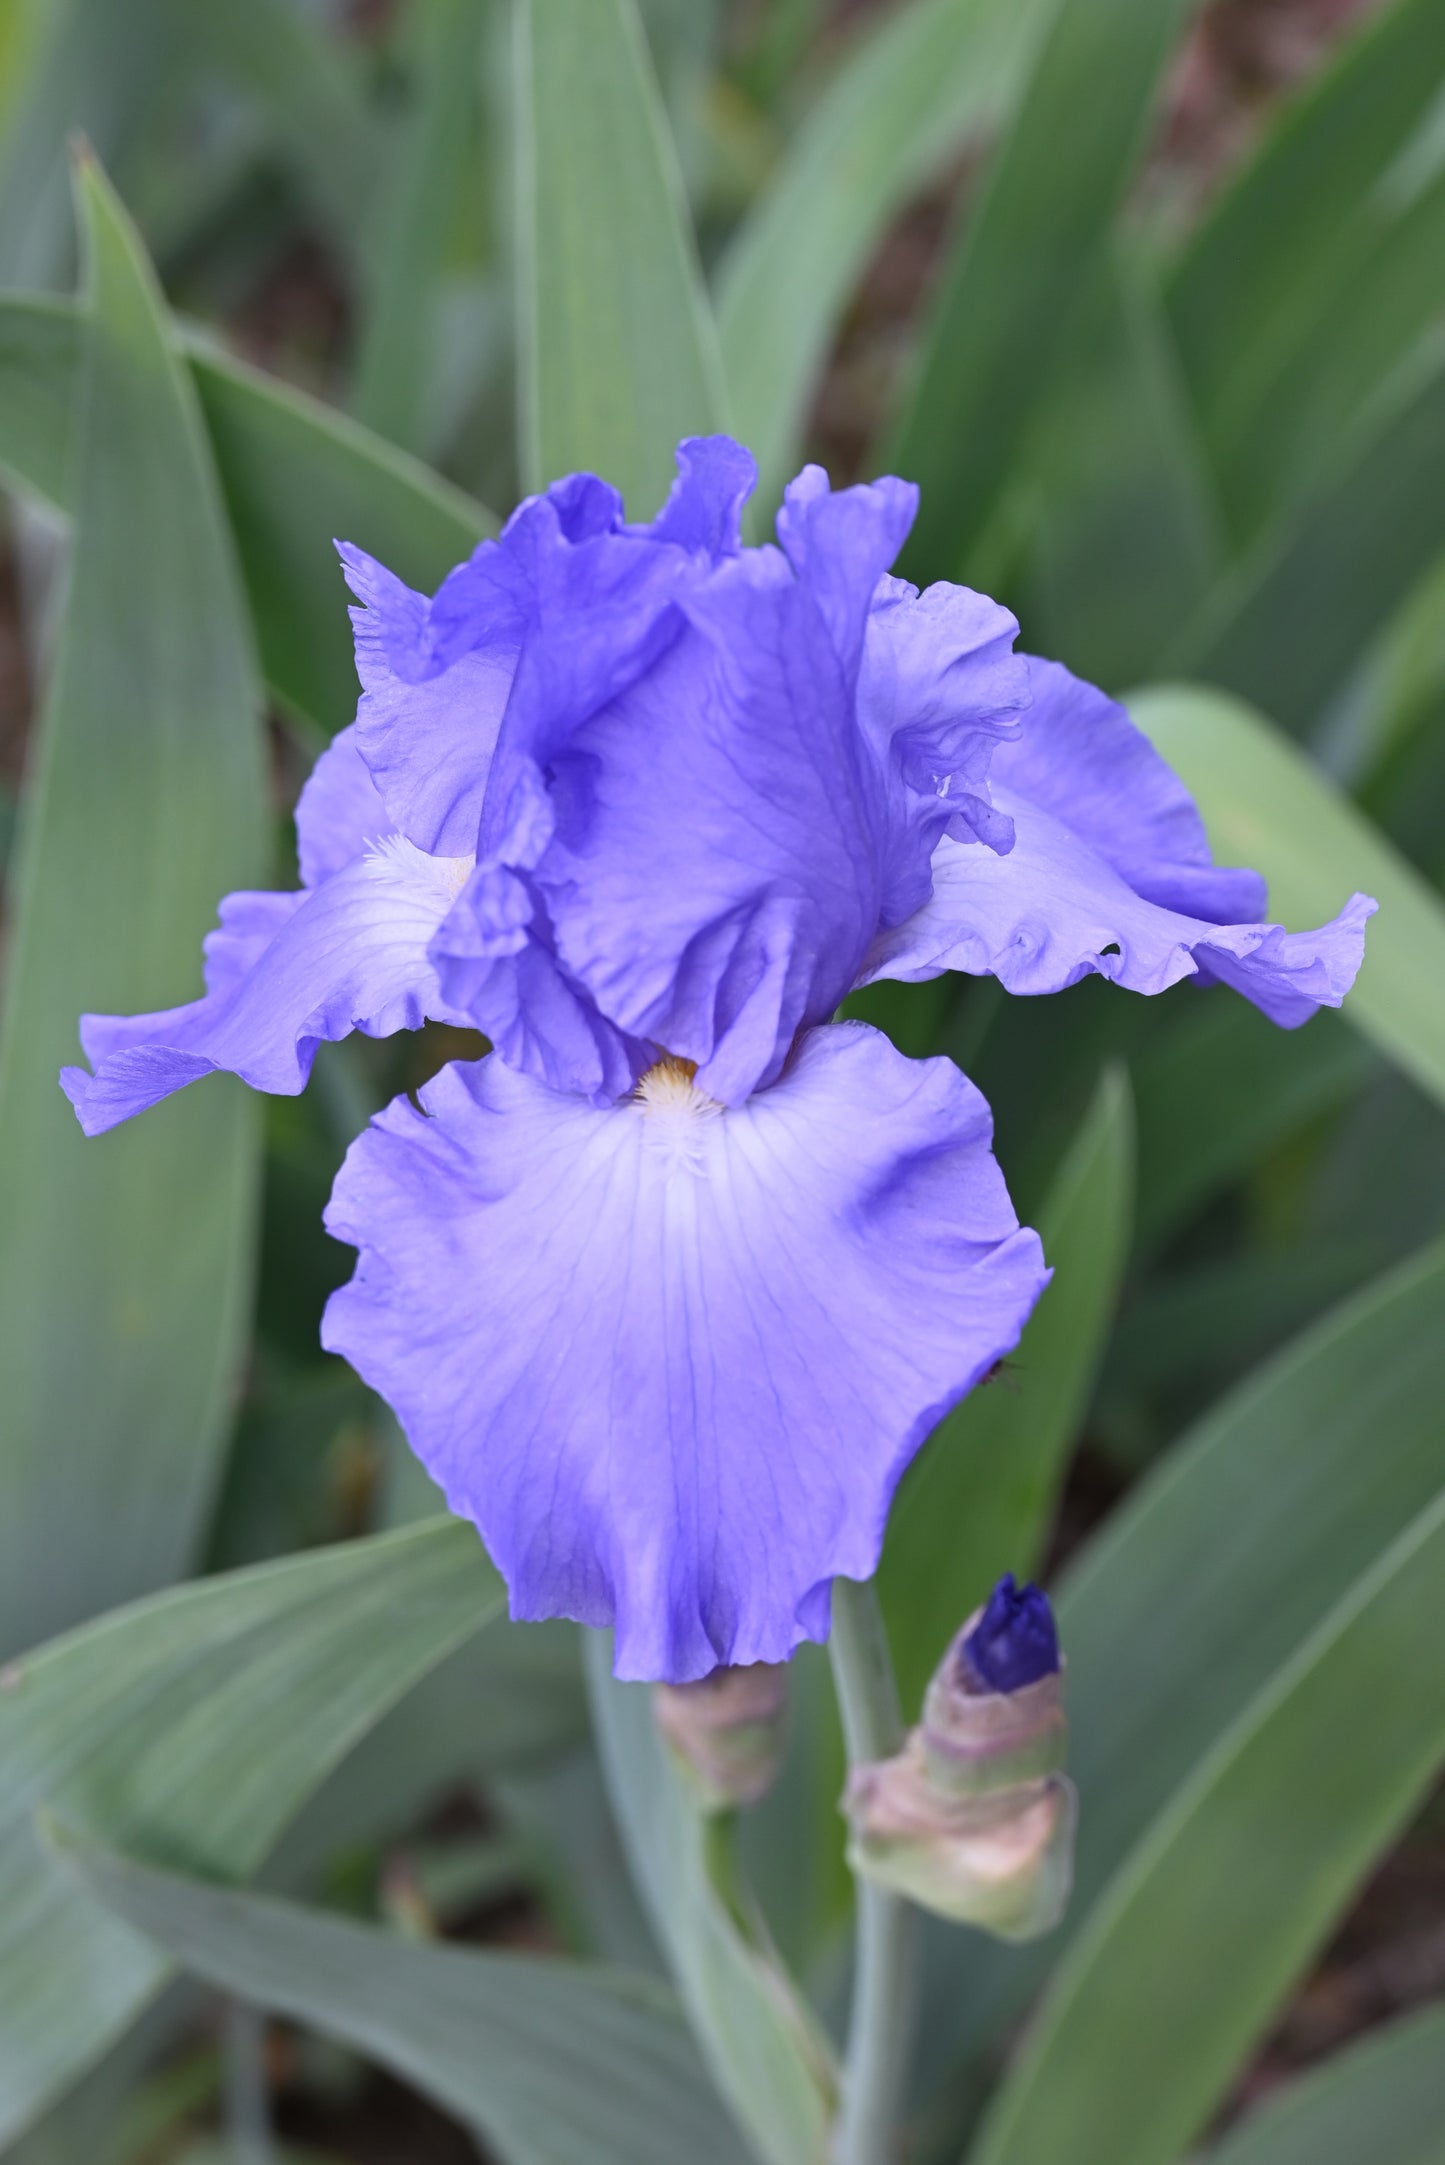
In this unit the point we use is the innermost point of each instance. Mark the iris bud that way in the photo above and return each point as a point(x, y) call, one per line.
point(726, 1731)
point(974, 1818)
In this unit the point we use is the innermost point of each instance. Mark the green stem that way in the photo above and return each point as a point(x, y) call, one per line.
point(247, 2089)
point(880, 2031)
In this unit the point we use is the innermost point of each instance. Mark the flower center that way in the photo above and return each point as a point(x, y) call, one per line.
point(669, 1092)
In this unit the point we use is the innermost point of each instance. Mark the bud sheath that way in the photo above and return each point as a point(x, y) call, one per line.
point(974, 1818)
point(726, 1732)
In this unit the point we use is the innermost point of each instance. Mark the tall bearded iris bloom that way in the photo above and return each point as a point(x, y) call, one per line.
point(670, 1287)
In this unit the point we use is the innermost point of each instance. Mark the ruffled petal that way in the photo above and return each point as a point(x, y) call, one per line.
point(671, 1359)
point(840, 543)
point(720, 828)
point(704, 509)
point(1291, 975)
point(1053, 911)
point(285, 973)
point(437, 673)
point(1110, 873)
point(746, 757)
point(941, 690)
point(1079, 756)
point(427, 745)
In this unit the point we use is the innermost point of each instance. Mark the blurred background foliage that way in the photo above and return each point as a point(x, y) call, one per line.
point(1150, 299)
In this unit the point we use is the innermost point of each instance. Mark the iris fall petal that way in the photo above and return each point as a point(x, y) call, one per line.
point(672, 1359)
point(1110, 873)
point(350, 954)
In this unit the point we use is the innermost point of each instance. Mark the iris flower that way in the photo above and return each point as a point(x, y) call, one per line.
point(669, 1288)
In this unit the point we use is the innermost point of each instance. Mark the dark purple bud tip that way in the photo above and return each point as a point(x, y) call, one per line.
point(1014, 1641)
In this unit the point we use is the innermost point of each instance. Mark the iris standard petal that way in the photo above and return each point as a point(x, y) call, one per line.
point(437, 673)
point(427, 744)
point(745, 757)
point(941, 691)
point(714, 869)
point(720, 829)
point(704, 508)
point(498, 961)
point(1110, 873)
point(841, 541)
point(285, 973)
point(671, 1358)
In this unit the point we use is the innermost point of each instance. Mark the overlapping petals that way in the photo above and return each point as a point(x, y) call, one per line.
point(672, 1358)
point(704, 854)
point(668, 1289)
point(426, 746)
point(339, 813)
point(941, 689)
point(614, 788)
point(715, 778)
point(284, 972)
point(437, 674)
point(1110, 873)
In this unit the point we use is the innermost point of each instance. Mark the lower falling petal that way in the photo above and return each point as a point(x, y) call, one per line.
point(671, 1359)
point(284, 974)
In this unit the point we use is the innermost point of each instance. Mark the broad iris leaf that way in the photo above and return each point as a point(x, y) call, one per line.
point(547, 2059)
point(1193, 1947)
point(125, 1278)
point(1262, 798)
point(1384, 2092)
point(294, 474)
point(1005, 309)
point(618, 351)
point(193, 1725)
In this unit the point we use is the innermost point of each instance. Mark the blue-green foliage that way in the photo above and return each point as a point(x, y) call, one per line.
point(1198, 449)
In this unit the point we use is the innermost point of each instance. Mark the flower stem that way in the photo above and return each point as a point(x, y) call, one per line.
point(247, 2091)
point(880, 2031)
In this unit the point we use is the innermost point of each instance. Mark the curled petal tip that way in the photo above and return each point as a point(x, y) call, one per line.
point(128, 1082)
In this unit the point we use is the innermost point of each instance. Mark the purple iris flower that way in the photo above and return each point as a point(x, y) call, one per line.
point(1014, 1642)
point(670, 1287)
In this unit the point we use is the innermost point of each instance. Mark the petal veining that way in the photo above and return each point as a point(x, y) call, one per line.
point(1110, 873)
point(285, 973)
point(723, 824)
point(672, 1358)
